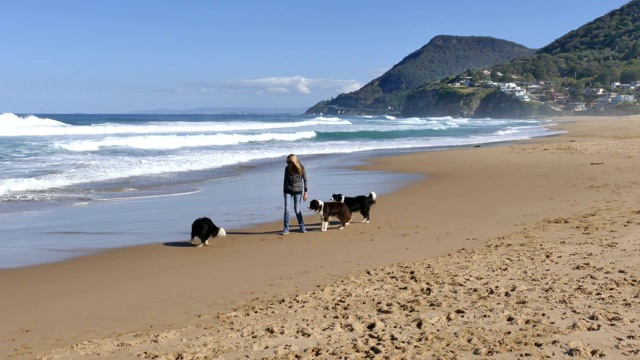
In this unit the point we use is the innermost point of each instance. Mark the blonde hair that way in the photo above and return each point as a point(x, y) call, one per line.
point(294, 164)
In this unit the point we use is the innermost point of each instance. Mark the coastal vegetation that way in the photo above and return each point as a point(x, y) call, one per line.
point(442, 56)
point(594, 69)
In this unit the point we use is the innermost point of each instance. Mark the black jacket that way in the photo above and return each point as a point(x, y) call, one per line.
point(295, 183)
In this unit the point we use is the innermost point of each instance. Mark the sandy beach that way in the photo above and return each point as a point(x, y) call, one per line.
point(526, 250)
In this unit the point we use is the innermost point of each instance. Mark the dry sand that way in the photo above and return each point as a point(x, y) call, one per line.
point(524, 250)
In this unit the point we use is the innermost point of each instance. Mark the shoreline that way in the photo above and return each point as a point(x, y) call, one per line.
point(84, 229)
point(472, 197)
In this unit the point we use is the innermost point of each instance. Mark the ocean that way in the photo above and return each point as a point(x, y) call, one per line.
point(73, 184)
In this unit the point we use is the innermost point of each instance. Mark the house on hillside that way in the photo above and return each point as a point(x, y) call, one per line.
point(521, 94)
point(594, 91)
point(619, 99)
point(603, 101)
point(465, 81)
point(558, 97)
point(487, 84)
point(617, 85)
point(534, 89)
point(509, 88)
point(577, 106)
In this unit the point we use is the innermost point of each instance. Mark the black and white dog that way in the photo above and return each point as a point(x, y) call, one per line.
point(203, 228)
point(329, 209)
point(360, 203)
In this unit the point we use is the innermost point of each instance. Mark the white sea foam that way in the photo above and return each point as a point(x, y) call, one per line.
point(507, 131)
point(11, 124)
point(55, 155)
point(157, 142)
point(14, 125)
point(97, 168)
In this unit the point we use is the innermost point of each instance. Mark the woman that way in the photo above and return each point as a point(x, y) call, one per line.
point(295, 188)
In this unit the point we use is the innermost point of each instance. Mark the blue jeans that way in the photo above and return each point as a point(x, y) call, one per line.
point(295, 199)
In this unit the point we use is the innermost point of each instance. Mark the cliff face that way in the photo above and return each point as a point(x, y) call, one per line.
point(498, 105)
point(443, 102)
point(476, 103)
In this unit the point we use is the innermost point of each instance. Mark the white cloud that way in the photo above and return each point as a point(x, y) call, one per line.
point(275, 86)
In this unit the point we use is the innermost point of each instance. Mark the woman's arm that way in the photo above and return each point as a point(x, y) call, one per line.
point(305, 187)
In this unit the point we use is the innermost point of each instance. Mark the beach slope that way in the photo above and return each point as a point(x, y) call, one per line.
point(530, 249)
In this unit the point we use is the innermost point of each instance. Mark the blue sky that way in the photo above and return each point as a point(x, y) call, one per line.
point(98, 56)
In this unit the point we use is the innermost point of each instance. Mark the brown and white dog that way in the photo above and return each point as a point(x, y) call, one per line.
point(329, 209)
point(203, 228)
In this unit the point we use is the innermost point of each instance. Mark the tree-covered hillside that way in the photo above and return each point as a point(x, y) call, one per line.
point(600, 59)
point(614, 35)
point(601, 52)
point(443, 56)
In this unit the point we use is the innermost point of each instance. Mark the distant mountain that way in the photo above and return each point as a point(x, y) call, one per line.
point(443, 56)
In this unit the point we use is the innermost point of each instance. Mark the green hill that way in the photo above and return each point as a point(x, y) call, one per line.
point(443, 56)
point(614, 35)
point(594, 57)
point(602, 51)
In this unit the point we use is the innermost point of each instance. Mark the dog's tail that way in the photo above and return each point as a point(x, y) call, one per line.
point(372, 197)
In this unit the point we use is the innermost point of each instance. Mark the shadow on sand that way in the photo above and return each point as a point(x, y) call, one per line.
point(182, 244)
point(187, 243)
